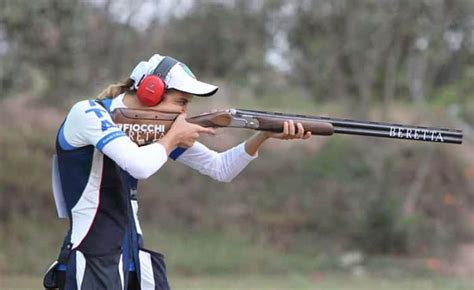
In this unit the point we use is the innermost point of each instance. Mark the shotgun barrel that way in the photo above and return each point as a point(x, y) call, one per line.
point(364, 128)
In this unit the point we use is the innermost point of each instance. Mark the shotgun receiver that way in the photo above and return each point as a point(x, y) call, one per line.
point(144, 126)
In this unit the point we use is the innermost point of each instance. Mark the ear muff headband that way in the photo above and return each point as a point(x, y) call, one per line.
point(164, 67)
point(152, 88)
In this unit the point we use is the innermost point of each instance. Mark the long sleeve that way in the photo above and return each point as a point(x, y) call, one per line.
point(224, 166)
point(140, 162)
point(90, 124)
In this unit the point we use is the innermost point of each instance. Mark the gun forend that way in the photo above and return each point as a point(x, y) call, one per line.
point(235, 119)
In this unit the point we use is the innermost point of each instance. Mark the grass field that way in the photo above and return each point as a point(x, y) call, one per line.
point(262, 282)
point(214, 261)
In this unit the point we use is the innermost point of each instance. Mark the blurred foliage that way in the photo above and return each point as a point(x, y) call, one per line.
point(401, 60)
point(384, 229)
point(21, 151)
point(234, 47)
point(380, 50)
point(358, 51)
point(462, 91)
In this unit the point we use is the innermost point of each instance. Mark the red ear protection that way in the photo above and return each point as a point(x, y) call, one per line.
point(152, 88)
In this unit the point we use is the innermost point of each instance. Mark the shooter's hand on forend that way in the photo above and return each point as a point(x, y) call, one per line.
point(183, 134)
point(291, 130)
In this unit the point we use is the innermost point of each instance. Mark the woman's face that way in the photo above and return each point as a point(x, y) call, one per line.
point(174, 101)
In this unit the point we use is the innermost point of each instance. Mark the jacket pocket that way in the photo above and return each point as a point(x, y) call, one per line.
point(152, 271)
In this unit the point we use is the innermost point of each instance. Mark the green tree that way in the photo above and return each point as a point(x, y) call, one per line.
point(218, 38)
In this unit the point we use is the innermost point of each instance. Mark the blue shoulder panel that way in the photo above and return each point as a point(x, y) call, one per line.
point(107, 103)
point(62, 141)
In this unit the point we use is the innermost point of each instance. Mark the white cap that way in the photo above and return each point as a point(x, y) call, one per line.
point(179, 77)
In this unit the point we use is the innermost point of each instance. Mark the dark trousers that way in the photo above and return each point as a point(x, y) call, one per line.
point(132, 280)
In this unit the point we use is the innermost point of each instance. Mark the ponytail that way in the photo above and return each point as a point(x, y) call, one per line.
point(116, 89)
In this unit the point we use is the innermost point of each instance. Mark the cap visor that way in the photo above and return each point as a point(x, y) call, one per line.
point(196, 87)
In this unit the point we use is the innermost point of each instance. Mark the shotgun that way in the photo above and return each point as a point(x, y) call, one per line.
point(144, 126)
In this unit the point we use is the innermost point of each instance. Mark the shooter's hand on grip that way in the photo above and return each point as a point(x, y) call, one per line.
point(183, 134)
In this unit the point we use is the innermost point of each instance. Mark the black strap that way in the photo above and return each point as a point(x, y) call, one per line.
point(164, 67)
point(64, 254)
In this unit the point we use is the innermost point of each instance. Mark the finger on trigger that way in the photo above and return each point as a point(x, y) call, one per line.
point(209, 131)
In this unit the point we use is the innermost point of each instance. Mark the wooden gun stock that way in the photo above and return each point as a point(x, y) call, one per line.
point(143, 126)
